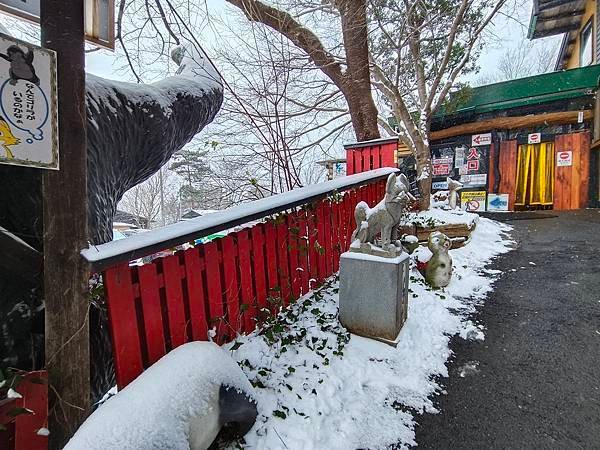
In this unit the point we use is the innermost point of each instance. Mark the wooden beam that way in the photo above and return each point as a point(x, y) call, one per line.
point(511, 123)
point(66, 274)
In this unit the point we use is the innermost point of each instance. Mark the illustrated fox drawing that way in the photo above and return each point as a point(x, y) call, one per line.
point(7, 138)
point(384, 217)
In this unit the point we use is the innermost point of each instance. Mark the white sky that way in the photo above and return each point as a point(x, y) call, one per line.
point(506, 32)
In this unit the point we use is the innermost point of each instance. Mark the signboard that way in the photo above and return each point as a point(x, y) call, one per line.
point(472, 201)
point(339, 169)
point(99, 18)
point(564, 159)
point(481, 139)
point(28, 105)
point(474, 170)
point(475, 180)
point(459, 156)
point(439, 185)
point(497, 202)
point(534, 138)
point(442, 166)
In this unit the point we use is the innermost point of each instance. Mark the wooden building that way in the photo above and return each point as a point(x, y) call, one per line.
point(530, 139)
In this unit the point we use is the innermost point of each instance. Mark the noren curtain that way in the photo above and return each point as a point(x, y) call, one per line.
point(535, 174)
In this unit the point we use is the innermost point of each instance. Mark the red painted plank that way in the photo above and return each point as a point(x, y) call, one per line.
point(366, 158)
point(303, 250)
point(336, 244)
point(387, 154)
point(152, 313)
point(376, 156)
point(311, 222)
point(273, 287)
point(122, 320)
point(358, 161)
point(21, 431)
point(320, 247)
point(196, 294)
point(228, 247)
point(284, 250)
point(292, 223)
point(327, 235)
point(247, 306)
point(351, 223)
point(258, 265)
point(214, 288)
point(174, 296)
point(350, 169)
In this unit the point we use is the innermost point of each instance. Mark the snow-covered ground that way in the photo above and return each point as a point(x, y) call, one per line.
point(318, 387)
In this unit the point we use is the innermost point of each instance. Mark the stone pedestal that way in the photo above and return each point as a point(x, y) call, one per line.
point(374, 295)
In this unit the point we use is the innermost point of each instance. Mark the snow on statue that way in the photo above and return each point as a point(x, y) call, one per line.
point(382, 219)
point(132, 130)
point(180, 402)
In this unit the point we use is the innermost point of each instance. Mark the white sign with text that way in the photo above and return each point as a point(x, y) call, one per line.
point(28, 105)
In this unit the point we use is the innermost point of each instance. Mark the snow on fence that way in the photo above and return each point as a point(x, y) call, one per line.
point(24, 419)
point(228, 283)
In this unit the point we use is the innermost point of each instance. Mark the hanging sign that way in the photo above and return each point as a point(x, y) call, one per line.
point(459, 156)
point(439, 185)
point(339, 169)
point(442, 166)
point(564, 159)
point(534, 138)
point(99, 18)
point(474, 180)
point(497, 202)
point(28, 105)
point(481, 139)
point(472, 201)
point(442, 160)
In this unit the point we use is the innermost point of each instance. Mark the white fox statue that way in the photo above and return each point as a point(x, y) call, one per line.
point(384, 217)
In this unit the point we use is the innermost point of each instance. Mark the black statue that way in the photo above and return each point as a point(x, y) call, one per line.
point(132, 130)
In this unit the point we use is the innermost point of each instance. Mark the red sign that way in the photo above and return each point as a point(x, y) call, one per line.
point(441, 169)
point(534, 138)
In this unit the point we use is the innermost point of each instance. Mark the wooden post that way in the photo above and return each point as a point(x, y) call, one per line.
point(65, 229)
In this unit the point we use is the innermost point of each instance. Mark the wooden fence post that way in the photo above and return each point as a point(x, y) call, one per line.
point(66, 274)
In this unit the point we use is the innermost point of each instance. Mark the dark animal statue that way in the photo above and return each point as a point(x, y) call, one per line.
point(132, 130)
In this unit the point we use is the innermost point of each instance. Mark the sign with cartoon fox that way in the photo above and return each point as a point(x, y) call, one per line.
point(28, 105)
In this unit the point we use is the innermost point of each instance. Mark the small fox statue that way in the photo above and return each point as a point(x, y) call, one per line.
point(385, 216)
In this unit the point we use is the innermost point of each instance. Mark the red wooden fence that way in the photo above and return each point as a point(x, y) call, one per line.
point(22, 430)
point(369, 155)
point(229, 283)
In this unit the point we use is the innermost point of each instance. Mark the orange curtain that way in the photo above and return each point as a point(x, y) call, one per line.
point(535, 175)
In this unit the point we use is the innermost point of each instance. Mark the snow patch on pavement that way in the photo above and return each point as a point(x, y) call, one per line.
point(320, 388)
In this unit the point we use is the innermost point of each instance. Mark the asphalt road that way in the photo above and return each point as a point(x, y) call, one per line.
point(535, 380)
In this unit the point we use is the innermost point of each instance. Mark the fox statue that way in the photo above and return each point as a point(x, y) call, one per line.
point(384, 217)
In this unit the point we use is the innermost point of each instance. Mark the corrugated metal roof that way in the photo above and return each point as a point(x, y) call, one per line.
point(530, 91)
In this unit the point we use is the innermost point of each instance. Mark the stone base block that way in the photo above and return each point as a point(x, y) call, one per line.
point(374, 295)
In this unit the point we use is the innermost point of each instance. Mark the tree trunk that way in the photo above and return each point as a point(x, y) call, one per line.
point(355, 81)
point(424, 174)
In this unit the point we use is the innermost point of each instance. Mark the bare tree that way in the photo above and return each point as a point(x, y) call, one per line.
point(285, 115)
point(418, 50)
point(525, 59)
point(150, 199)
point(346, 66)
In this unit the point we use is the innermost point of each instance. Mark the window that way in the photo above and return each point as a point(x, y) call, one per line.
point(586, 45)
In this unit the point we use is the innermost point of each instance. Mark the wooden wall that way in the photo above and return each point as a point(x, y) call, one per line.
point(571, 183)
point(508, 171)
